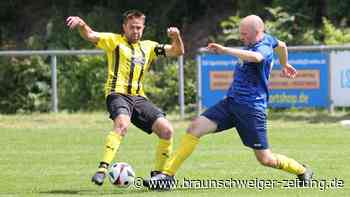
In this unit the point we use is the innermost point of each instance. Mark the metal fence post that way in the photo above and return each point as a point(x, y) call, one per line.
point(181, 86)
point(331, 104)
point(199, 86)
point(54, 96)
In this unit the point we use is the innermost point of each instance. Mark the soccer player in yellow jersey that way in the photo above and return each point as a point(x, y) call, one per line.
point(129, 58)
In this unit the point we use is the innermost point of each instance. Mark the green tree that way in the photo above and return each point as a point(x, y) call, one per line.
point(279, 23)
point(24, 85)
point(333, 35)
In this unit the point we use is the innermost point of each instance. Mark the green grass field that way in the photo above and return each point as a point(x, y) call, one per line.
point(56, 155)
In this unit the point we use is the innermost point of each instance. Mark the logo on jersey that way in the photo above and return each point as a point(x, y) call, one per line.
point(138, 60)
point(240, 62)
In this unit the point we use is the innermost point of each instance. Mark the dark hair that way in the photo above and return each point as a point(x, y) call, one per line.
point(133, 14)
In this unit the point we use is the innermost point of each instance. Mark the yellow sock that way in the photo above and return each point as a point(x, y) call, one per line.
point(111, 146)
point(102, 169)
point(187, 146)
point(289, 165)
point(163, 153)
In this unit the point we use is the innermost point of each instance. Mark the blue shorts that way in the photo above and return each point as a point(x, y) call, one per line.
point(250, 122)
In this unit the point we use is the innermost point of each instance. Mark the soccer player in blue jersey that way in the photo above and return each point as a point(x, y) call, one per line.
point(245, 105)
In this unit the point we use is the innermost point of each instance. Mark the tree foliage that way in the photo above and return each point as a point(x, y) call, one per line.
point(24, 85)
point(333, 35)
point(25, 82)
point(288, 27)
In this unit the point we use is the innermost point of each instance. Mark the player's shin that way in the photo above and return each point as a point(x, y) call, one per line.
point(187, 146)
point(289, 165)
point(163, 152)
point(113, 141)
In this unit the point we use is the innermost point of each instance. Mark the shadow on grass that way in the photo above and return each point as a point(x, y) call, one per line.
point(82, 192)
point(67, 192)
point(89, 192)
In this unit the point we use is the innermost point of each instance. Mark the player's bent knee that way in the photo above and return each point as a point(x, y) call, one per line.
point(201, 126)
point(194, 130)
point(163, 128)
point(121, 129)
point(166, 133)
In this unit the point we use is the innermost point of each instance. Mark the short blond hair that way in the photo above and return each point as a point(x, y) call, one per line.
point(130, 14)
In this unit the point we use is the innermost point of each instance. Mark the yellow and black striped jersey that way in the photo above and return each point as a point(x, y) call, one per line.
point(127, 63)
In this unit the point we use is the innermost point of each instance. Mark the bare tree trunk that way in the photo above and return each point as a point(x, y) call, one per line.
point(320, 11)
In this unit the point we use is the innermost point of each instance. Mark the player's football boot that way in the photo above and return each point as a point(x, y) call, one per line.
point(306, 178)
point(100, 175)
point(98, 178)
point(160, 182)
point(154, 173)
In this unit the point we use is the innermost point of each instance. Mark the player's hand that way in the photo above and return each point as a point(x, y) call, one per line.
point(173, 32)
point(215, 48)
point(74, 21)
point(289, 71)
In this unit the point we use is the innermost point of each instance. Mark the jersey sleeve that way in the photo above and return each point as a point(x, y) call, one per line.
point(108, 41)
point(273, 41)
point(265, 51)
point(156, 50)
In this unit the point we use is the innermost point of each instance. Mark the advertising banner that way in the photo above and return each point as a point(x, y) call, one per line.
point(340, 75)
point(309, 89)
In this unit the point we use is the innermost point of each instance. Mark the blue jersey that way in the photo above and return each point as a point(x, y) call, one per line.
point(250, 84)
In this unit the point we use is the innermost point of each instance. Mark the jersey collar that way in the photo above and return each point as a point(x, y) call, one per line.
point(256, 43)
point(127, 41)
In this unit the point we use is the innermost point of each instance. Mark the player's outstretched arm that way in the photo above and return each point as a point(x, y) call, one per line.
point(177, 47)
point(85, 31)
point(282, 52)
point(245, 55)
